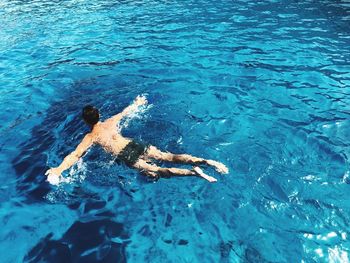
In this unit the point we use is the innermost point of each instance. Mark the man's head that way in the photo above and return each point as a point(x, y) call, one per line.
point(90, 115)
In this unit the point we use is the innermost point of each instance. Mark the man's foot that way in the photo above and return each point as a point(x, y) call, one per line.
point(200, 172)
point(219, 167)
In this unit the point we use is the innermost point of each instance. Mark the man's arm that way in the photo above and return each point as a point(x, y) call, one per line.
point(54, 174)
point(139, 101)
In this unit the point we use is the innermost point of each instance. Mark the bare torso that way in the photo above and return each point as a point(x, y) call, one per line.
point(106, 134)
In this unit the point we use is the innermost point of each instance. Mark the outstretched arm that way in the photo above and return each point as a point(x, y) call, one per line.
point(139, 101)
point(54, 174)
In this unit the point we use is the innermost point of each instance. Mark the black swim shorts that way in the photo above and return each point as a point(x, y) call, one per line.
point(131, 153)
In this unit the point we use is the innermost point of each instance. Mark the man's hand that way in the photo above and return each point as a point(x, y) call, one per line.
point(54, 176)
point(140, 100)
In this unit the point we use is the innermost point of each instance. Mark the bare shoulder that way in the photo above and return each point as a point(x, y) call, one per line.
point(114, 119)
point(90, 138)
point(107, 122)
point(87, 141)
point(109, 125)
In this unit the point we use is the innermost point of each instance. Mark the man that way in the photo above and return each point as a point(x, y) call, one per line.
point(133, 154)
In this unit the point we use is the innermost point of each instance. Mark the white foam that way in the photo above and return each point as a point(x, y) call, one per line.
point(346, 176)
point(77, 173)
point(336, 255)
point(138, 114)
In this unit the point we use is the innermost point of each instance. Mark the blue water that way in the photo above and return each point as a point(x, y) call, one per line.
point(262, 86)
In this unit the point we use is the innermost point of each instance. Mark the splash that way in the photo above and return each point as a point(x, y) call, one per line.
point(77, 173)
point(139, 114)
point(62, 193)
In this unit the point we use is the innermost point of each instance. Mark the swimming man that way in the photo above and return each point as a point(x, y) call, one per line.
point(132, 153)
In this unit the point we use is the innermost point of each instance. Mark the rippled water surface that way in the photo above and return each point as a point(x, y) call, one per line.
point(261, 85)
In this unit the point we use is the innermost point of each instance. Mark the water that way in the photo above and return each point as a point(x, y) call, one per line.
point(262, 86)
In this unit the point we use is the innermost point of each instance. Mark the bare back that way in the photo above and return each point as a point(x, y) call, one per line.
point(106, 134)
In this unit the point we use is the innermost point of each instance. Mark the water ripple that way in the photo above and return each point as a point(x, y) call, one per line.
point(260, 85)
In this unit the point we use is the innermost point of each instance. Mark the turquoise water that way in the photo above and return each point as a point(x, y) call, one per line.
point(262, 86)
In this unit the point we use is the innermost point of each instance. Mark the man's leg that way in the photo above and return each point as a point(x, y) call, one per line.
point(155, 153)
point(153, 170)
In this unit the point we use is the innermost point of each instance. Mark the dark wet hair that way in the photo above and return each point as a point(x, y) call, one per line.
point(90, 115)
